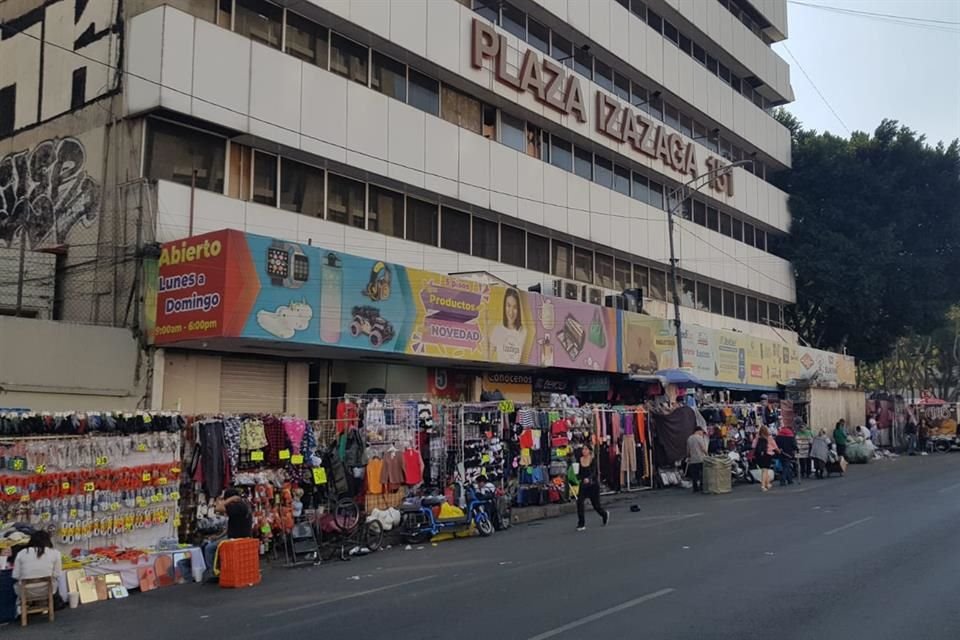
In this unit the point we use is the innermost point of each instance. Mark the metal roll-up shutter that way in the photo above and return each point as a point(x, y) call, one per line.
point(248, 385)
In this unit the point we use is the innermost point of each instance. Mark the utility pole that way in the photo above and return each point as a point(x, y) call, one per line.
point(21, 269)
point(682, 194)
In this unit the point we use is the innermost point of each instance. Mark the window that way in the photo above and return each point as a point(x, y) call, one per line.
point(638, 96)
point(348, 59)
point(686, 45)
point(752, 309)
point(641, 189)
point(655, 21)
point(421, 221)
point(8, 103)
point(603, 171)
point(514, 21)
point(561, 49)
point(762, 311)
point(641, 278)
point(583, 163)
point(713, 219)
point(513, 249)
point(513, 132)
point(776, 315)
point(639, 9)
point(724, 224)
point(260, 21)
point(240, 170)
point(603, 75)
point(538, 35)
point(265, 178)
point(538, 253)
point(485, 239)
point(622, 279)
point(724, 73)
point(728, 303)
point(741, 307)
point(306, 40)
point(489, 122)
point(78, 88)
point(604, 265)
point(700, 213)
point(583, 265)
point(686, 125)
point(561, 153)
point(655, 194)
point(455, 230)
point(716, 301)
point(224, 13)
point(489, 9)
point(301, 188)
point(737, 230)
point(671, 116)
point(583, 62)
point(658, 284)
point(699, 54)
point(562, 264)
point(389, 76)
point(670, 33)
point(748, 235)
point(461, 109)
point(621, 86)
point(424, 93)
point(686, 210)
point(534, 142)
point(655, 107)
point(185, 156)
point(621, 179)
point(346, 201)
point(386, 212)
point(760, 239)
point(711, 64)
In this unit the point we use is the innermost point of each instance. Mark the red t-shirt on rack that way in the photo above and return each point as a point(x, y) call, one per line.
point(412, 467)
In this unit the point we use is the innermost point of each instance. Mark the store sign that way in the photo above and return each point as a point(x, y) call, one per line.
point(549, 83)
point(513, 386)
point(448, 384)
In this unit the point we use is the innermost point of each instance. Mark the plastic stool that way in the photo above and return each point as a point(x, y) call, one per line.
point(238, 563)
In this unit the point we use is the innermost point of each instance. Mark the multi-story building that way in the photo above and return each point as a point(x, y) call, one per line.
point(537, 141)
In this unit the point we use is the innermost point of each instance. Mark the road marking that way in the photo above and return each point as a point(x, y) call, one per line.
point(348, 596)
point(602, 614)
point(950, 488)
point(847, 526)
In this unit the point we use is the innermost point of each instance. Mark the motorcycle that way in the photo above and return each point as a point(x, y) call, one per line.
point(418, 522)
point(944, 444)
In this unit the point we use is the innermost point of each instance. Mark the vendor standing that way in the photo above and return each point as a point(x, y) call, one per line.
point(840, 437)
point(239, 525)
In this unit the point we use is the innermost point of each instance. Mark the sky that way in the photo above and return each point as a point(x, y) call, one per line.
point(869, 69)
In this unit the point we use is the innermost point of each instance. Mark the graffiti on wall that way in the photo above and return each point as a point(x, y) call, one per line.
point(66, 53)
point(45, 192)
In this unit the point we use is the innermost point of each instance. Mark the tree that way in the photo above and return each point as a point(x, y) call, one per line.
point(875, 237)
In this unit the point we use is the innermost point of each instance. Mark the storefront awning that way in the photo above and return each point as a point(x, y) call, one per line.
point(732, 386)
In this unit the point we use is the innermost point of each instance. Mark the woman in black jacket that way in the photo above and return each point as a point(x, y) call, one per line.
point(589, 488)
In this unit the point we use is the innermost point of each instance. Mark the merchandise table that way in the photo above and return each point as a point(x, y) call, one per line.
point(128, 570)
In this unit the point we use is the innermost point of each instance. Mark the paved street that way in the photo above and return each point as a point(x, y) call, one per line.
point(872, 555)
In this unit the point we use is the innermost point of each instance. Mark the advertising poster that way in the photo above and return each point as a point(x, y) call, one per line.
point(575, 335)
point(449, 318)
point(731, 358)
point(648, 344)
point(201, 293)
point(514, 386)
point(698, 352)
point(511, 326)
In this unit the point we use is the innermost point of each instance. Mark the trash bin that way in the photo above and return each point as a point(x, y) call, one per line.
point(716, 475)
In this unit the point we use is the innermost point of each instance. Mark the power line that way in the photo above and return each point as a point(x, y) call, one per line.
point(817, 89)
point(159, 84)
point(930, 24)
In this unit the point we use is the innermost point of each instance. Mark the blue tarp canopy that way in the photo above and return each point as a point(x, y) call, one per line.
point(679, 377)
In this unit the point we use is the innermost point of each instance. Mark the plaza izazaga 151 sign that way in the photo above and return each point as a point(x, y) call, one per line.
point(550, 84)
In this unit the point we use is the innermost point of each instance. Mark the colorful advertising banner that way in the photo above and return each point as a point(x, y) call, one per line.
point(228, 284)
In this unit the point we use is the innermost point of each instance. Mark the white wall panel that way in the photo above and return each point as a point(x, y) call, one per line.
point(578, 15)
point(143, 85)
point(578, 223)
point(600, 21)
point(442, 145)
point(474, 168)
point(374, 15)
point(323, 113)
point(638, 44)
point(443, 34)
point(408, 25)
point(274, 74)
point(620, 31)
point(177, 77)
point(555, 185)
point(555, 217)
point(366, 128)
point(221, 91)
point(406, 130)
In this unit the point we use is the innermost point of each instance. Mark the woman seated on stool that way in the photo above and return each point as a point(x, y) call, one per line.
point(38, 560)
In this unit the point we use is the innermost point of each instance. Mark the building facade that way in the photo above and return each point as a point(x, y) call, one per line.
point(539, 143)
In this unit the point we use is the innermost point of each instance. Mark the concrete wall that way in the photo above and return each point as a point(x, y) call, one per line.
point(56, 366)
point(37, 292)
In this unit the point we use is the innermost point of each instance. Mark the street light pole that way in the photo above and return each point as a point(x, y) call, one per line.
point(685, 191)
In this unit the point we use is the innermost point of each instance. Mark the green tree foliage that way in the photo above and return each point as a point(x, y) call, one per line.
point(875, 238)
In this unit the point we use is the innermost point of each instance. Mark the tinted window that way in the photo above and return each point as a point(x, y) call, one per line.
point(455, 230)
point(424, 93)
point(513, 247)
point(347, 58)
point(538, 253)
point(389, 76)
point(485, 240)
point(386, 212)
point(421, 221)
point(301, 188)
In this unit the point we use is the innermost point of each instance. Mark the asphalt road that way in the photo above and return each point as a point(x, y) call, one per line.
point(871, 555)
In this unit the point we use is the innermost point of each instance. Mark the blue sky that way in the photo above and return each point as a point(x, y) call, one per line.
point(870, 68)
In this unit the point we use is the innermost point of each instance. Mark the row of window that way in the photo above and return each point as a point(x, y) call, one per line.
point(266, 23)
point(329, 50)
point(191, 157)
point(740, 11)
point(581, 60)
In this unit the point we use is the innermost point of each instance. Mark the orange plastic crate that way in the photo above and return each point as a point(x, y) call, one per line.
point(239, 563)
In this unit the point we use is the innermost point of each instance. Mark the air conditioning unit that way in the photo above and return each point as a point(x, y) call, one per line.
point(593, 295)
point(616, 302)
point(572, 290)
point(629, 300)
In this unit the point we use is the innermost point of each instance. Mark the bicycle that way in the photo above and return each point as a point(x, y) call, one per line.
point(343, 529)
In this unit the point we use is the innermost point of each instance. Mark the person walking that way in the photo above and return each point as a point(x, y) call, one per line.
point(697, 446)
point(804, 443)
point(820, 452)
point(910, 431)
point(764, 448)
point(787, 444)
point(840, 437)
point(923, 434)
point(589, 488)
